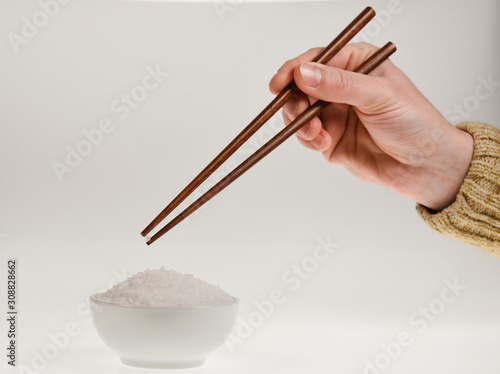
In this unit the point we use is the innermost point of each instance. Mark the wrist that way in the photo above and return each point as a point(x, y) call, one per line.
point(444, 173)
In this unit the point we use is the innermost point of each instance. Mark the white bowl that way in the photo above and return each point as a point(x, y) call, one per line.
point(161, 337)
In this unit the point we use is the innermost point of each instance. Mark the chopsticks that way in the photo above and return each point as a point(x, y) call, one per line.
point(323, 57)
point(314, 110)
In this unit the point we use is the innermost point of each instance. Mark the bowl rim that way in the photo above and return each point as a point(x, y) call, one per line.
point(92, 298)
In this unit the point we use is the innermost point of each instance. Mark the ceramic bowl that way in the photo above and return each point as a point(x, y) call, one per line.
point(163, 337)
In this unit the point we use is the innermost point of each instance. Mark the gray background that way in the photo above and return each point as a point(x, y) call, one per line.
point(71, 238)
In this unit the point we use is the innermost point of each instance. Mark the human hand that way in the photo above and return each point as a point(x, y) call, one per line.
point(380, 127)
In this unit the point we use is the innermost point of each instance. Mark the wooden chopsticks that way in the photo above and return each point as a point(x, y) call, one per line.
point(314, 110)
point(336, 45)
point(326, 55)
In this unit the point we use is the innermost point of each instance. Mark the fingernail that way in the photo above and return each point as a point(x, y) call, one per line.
point(318, 141)
point(304, 131)
point(311, 74)
point(291, 107)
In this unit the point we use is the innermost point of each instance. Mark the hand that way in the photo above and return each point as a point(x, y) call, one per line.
point(380, 126)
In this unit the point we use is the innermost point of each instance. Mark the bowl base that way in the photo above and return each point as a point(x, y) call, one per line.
point(147, 364)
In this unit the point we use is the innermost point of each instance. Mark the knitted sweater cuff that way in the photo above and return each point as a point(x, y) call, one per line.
point(474, 217)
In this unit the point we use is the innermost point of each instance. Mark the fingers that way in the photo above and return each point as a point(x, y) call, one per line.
point(335, 83)
point(291, 110)
point(348, 58)
point(340, 86)
point(311, 135)
point(285, 73)
point(321, 143)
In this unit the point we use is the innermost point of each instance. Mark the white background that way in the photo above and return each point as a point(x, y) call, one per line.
point(72, 237)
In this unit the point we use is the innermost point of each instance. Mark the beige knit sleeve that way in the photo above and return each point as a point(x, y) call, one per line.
point(474, 217)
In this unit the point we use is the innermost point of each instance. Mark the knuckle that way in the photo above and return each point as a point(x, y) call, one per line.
point(389, 91)
point(288, 66)
point(314, 50)
point(364, 45)
point(340, 81)
point(288, 63)
point(306, 56)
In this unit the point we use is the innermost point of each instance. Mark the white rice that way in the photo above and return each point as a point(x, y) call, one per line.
point(166, 288)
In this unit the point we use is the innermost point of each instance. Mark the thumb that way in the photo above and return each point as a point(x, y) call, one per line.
point(339, 86)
